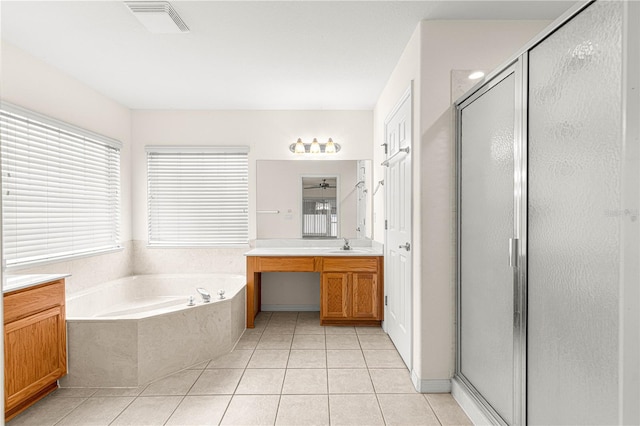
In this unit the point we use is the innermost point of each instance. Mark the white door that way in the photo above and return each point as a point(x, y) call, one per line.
point(397, 256)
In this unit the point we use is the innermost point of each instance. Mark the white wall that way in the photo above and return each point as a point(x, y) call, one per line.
point(267, 133)
point(31, 83)
point(435, 49)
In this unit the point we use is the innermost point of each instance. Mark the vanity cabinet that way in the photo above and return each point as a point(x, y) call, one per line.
point(351, 291)
point(35, 344)
point(351, 287)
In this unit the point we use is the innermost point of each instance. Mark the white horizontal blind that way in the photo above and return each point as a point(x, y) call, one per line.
point(60, 189)
point(198, 197)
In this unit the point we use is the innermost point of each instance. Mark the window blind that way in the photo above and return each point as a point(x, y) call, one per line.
point(198, 196)
point(60, 189)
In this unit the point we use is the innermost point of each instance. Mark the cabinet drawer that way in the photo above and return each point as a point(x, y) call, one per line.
point(350, 264)
point(22, 303)
point(286, 264)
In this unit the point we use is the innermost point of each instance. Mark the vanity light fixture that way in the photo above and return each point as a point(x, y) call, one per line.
point(315, 147)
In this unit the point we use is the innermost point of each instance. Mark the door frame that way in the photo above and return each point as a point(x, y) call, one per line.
point(406, 95)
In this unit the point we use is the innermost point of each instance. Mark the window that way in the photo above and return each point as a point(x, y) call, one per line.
point(60, 189)
point(198, 196)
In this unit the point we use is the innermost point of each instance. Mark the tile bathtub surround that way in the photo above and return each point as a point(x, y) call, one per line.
point(342, 376)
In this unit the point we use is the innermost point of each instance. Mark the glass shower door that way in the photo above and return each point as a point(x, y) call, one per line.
point(486, 225)
point(575, 174)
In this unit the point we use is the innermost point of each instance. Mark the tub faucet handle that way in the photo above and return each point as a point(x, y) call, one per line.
point(206, 297)
point(221, 294)
point(191, 301)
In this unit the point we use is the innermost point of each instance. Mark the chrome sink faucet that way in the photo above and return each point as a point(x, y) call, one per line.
point(206, 297)
point(346, 245)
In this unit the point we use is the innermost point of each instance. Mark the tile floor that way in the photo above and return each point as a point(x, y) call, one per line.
point(289, 370)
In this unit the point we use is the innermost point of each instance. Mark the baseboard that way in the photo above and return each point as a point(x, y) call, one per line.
point(430, 385)
point(311, 308)
point(468, 404)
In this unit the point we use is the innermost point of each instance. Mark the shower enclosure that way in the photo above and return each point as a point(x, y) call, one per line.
point(548, 227)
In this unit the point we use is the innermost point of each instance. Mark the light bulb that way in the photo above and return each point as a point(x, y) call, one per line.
point(476, 75)
point(315, 147)
point(330, 147)
point(299, 149)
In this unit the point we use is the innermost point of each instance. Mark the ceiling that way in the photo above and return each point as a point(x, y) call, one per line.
point(240, 54)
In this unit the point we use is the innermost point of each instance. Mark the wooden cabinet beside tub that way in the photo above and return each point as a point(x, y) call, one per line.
point(35, 344)
point(351, 287)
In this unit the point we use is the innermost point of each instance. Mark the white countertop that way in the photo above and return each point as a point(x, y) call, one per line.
point(18, 282)
point(314, 251)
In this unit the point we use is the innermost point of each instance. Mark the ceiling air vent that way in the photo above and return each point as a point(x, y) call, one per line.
point(158, 16)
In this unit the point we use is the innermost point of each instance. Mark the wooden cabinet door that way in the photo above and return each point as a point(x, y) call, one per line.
point(35, 354)
point(365, 296)
point(334, 291)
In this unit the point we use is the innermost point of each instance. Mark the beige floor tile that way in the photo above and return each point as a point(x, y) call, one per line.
point(269, 358)
point(176, 384)
point(217, 382)
point(342, 341)
point(350, 410)
point(280, 328)
point(119, 391)
point(248, 342)
point(383, 358)
point(200, 410)
point(308, 315)
point(392, 380)
point(334, 329)
point(308, 341)
point(48, 411)
point(249, 410)
point(261, 381)
point(447, 409)
point(238, 358)
point(305, 358)
point(370, 330)
point(303, 410)
point(406, 409)
point(305, 328)
point(275, 341)
point(148, 411)
point(253, 331)
point(349, 381)
point(375, 341)
point(97, 411)
point(200, 366)
point(264, 315)
point(305, 381)
point(284, 315)
point(74, 392)
point(345, 358)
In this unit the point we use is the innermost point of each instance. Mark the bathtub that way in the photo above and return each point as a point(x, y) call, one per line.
point(134, 330)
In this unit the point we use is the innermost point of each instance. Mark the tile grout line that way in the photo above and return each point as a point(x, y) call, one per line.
point(187, 392)
point(375, 392)
point(424, 395)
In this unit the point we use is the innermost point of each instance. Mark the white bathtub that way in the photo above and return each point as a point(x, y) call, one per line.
point(134, 330)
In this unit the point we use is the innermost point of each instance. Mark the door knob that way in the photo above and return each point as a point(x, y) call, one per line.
point(406, 246)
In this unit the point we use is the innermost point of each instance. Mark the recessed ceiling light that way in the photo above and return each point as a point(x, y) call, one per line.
point(476, 75)
point(158, 16)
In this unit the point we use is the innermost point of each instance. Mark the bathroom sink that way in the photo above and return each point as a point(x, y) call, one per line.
point(360, 251)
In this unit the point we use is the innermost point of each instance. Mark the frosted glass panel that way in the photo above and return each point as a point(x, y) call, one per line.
point(486, 280)
point(575, 143)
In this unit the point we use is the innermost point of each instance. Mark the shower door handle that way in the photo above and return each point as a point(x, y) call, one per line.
point(513, 252)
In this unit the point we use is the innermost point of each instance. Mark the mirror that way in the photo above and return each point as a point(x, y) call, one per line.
point(280, 196)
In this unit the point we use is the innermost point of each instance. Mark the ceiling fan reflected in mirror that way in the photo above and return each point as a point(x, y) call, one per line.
point(321, 185)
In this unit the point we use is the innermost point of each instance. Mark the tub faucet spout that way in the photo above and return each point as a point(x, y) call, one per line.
point(206, 297)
